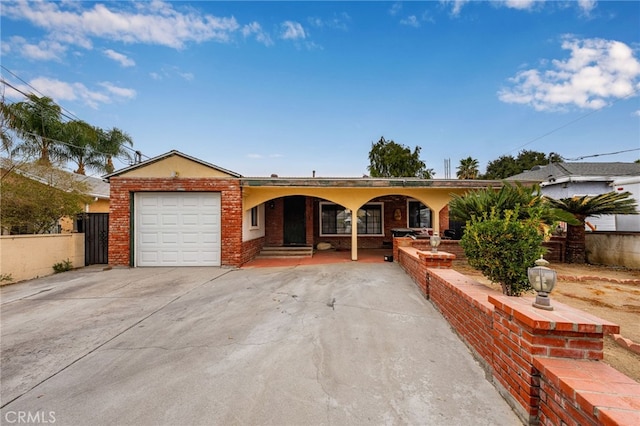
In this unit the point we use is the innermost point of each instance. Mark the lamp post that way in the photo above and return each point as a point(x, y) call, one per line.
point(542, 280)
point(434, 240)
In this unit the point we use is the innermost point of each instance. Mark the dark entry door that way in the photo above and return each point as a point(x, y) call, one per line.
point(96, 237)
point(294, 221)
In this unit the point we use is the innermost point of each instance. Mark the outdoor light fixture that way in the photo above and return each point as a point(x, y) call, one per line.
point(435, 242)
point(272, 205)
point(542, 280)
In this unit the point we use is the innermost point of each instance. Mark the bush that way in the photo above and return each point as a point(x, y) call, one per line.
point(503, 247)
point(63, 266)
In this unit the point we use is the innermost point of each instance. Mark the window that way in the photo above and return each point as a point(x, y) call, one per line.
point(336, 220)
point(254, 217)
point(419, 215)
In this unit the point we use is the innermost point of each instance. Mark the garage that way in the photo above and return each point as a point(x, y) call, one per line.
point(177, 229)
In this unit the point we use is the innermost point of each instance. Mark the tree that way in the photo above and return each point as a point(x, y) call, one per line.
point(502, 246)
point(37, 122)
point(389, 159)
point(114, 143)
point(81, 143)
point(502, 168)
point(6, 137)
point(582, 207)
point(34, 199)
point(506, 165)
point(468, 169)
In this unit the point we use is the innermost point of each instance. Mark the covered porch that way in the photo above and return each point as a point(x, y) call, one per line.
point(308, 211)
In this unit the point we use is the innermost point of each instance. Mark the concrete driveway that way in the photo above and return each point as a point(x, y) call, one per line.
point(325, 344)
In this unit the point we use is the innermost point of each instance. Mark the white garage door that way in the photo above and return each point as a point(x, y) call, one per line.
point(177, 229)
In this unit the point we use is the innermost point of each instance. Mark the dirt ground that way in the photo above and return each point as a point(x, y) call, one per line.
point(607, 292)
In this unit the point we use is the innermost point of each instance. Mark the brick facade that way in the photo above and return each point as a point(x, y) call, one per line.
point(120, 220)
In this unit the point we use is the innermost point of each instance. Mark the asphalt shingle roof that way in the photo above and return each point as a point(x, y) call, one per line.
point(595, 170)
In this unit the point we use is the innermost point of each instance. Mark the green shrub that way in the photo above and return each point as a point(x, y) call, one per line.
point(63, 266)
point(502, 247)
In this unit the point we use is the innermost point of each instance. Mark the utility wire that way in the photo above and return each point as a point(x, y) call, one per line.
point(38, 92)
point(137, 153)
point(599, 155)
point(574, 121)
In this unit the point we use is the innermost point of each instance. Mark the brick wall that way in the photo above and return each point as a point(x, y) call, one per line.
point(546, 364)
point(251, 249)
point(274, 225)
point(122, 190)
point(463, 302)
point(571, 393)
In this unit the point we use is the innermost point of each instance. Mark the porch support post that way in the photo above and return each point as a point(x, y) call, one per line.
point(354, 235)
point(435, 222)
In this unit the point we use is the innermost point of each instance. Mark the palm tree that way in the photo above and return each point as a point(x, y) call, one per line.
point(81, 143)
point(37, 122)
point(468, 169)
point(114, 143)
point(526, 200)
point(582, 207)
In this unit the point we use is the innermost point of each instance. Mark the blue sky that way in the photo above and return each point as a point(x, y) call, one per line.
point(292, 87)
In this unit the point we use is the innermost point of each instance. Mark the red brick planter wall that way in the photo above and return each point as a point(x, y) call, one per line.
point(544, 363)
point(122, 190)
point(463, 302)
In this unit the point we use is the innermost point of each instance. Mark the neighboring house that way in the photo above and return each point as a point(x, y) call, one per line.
point(59, 179)
point(565, 180)
point(177, 210)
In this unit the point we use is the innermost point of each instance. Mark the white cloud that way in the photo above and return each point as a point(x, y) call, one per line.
point(411, 21)
point(45, 50)
point(122, 59)
point(254, 155)
point(395, 9)
point(456, 5)
point(255, 29)
point(61, 91)
point(521, 4)
point(597, 72)
point(186, 75)
point(120, 92)
point(587, 5)
point(637, 113)
point(338, 21)
point(292, 31)
point(154, 22)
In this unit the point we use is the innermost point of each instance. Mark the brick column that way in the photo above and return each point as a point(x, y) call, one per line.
point(521, 332)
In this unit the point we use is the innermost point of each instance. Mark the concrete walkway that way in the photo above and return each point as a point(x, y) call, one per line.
point(347, 343)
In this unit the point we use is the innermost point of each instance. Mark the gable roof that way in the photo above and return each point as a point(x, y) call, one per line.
point(96, 187)
point(562, 172)
point(167, 155)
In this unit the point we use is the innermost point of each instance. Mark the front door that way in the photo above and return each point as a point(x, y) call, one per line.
point(294, 221)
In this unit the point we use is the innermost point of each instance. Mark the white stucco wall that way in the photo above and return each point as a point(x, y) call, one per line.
point(613, 249)
point(249, 232)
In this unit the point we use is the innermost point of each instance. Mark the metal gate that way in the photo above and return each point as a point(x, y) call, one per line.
point(96, 237)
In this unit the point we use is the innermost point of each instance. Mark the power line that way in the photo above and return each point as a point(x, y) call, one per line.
point(137, 154)
point(599, 155)
point(574, 121)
